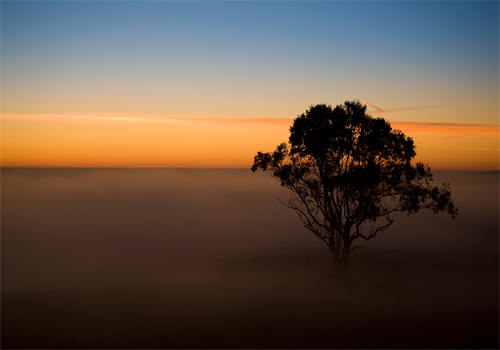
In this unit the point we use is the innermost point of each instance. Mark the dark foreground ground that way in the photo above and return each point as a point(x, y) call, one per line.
point(210, 258)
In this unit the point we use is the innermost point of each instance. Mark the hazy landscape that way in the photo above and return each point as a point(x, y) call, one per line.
point(189, 258)
point(138, 144)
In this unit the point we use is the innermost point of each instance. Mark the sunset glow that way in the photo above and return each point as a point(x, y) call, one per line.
point(205, 174)
point(158, 141)
point(174, 84)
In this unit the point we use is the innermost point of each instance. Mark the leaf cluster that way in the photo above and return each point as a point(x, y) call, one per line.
point(346, 168)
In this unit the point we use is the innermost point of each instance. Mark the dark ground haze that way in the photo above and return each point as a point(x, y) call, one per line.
point(210, 258)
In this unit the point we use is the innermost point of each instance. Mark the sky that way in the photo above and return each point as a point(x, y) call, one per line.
point(208, 84)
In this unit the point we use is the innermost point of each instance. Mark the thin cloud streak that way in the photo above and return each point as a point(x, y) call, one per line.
point(447, 129)
point(402, 109)
point(373, 106)
point(481, 149)
point(142, 119)
point(412, 128)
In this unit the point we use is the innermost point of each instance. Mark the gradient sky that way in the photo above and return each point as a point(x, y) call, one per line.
point(189, 84)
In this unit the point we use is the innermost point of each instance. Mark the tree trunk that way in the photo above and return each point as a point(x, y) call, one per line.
point(341, 262)
point(341, 258)
point(342, 265)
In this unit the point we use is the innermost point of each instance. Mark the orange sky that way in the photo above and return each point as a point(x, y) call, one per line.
point(209, 84)
point(120, 140)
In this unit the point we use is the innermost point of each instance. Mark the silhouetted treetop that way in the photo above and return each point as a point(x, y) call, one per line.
point(347, 169)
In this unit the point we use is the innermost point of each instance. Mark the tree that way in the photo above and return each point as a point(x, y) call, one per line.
point(349, 173)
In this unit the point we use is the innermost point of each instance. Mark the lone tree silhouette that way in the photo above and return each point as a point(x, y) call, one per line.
point(348, 173)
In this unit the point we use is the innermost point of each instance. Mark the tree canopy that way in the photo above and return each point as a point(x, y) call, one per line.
point(349, 173)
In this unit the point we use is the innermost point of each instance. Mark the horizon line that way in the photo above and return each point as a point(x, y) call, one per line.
point(194, 168)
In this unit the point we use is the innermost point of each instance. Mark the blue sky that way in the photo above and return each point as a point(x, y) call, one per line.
point(130, 83)
point(389, 52)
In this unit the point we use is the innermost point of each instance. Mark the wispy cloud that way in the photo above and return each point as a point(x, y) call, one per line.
point(373, 106)
point(401, 109)
point(480, 149)
point(142, 119)
point(449, 130)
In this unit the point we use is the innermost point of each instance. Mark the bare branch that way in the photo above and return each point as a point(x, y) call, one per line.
point(373, 232)
point(347, 169)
